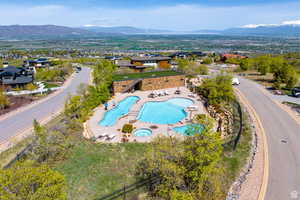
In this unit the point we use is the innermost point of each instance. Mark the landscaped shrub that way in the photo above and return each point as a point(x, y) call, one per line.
point(30, 87)
point(127, 128)
point(4, 102)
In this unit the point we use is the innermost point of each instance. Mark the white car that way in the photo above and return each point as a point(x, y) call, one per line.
point(235, 81)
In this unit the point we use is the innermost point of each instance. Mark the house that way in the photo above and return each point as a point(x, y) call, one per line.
point(40, 62)
point(15, 76)
point(225, 57)
point(156, 61)
point(184, 55)
point(139, 64)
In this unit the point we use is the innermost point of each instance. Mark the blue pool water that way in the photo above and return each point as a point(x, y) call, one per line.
point(143, 132)
point(165, 112)
point(110, 117)
point(189, 129)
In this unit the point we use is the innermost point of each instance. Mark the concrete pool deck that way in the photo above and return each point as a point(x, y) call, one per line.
point(162, 130)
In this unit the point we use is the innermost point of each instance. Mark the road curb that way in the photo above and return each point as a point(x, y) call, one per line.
point(26, 107)
point(23, 133)
point(296, 118)
point(264, 184)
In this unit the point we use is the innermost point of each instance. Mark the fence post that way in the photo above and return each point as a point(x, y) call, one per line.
point(124, 190)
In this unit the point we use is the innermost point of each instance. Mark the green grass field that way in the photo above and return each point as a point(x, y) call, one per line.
point(95, 170)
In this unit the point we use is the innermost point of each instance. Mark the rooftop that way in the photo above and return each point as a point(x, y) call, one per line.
point(155, 58)
point(121, 77)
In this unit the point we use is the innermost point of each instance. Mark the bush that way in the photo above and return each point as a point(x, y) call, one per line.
point(217, 90)
point(127, 128)
point(207, 61)
point(202, 70)
point(26, 181)
point(4, 102)
point(30, 87)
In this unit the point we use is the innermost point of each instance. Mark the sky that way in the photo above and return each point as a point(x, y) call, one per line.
point(180, 15)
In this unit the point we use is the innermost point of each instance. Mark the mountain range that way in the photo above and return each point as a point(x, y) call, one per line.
point(128, 30)
point(40, 31)
point(53, 31)
point(267, 30)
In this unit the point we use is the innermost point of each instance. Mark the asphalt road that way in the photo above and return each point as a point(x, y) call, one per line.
point(13, 125)
point(283, 138)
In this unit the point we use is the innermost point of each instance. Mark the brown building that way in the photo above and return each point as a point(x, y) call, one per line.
point(139, 64)
point(151, 82)
point(225, 57)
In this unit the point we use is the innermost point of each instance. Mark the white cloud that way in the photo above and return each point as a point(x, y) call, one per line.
point(293, 22)
point(179, 17)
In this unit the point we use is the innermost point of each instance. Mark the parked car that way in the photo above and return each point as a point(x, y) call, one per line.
point(296, 92)
point(78, 69)
point(235, 81)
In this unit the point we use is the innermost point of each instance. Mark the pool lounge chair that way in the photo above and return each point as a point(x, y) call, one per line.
point(151, 95)
point(110, 137)
point(166, 93)
point(177, 92)
point(191, 95)
point(103, 135)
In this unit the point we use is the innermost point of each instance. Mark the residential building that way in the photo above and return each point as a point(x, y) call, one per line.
point(157, 61)
point(139, 64)
point(40, 62)
point(15, 76)
point(225, 57)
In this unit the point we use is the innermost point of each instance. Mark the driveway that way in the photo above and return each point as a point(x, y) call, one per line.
point(23, 120)
point(283, 137)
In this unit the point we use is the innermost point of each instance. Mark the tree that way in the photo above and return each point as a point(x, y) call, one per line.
point(217, 90)
point(207, 61)
point(292, 81)
point(263, 64)
point(182, 64)
point(47, 145)
point(103, 72)
point(234, 61)
point(202, 70)
point(25, 181)
point(4, 102)
point(285, 73)
point(188, 169)
point(246, 64)
point(202, 160)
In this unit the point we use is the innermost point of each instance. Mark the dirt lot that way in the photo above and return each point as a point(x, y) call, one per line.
point(16, 102)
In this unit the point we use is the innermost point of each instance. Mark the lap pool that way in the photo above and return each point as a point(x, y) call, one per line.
point(165, 112)
point(189, 130)
point(110, 117)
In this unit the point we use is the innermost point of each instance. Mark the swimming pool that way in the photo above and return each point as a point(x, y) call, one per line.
point(189, 130)
point(165, 112)
point(143, 132)
point(110, 117)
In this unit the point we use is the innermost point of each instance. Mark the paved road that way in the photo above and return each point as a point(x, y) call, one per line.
point(284, 158)
point(11, 126)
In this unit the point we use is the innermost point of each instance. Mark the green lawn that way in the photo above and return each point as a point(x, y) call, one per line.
point(51, 85)
point(120, 77)
point(234, 161)
point(95, 170)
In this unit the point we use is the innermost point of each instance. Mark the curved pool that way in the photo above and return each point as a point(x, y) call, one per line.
point(143, 132)
point(110, 117)
point(165, 112)
point(189, 130)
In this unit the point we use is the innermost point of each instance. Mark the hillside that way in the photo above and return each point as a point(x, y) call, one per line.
point(40, 31)
point(123, 30)
point(279, 30)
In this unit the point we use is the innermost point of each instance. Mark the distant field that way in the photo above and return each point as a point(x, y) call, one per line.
point(136, 43)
